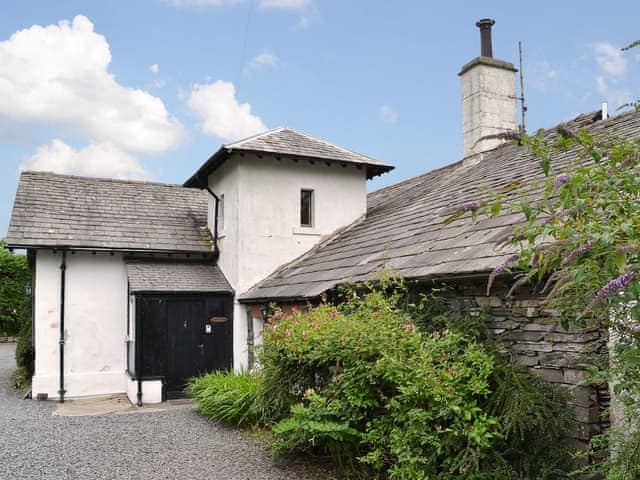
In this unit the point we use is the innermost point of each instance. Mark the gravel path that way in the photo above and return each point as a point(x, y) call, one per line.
point(174, 444)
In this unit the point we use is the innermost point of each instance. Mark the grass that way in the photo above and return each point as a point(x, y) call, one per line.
point(229, 399)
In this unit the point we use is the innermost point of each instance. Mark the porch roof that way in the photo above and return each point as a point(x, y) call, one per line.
point(176, 277)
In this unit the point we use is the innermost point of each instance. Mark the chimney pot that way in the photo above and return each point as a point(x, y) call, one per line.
point(485, 24)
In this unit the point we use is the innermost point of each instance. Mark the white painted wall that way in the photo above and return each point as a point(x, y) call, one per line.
point(262, 218)
point(95, 324)
point(151, 391)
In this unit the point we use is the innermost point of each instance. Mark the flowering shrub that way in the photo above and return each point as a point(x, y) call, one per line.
point(579, 244)
point(362, 383)
point(376, 387)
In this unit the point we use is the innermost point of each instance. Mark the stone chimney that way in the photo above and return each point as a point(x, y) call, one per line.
point(488, 96)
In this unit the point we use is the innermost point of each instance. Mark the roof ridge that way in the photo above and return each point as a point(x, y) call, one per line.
point(331, 144)
point(253, 137)
point(102, 179)
point(578, 119)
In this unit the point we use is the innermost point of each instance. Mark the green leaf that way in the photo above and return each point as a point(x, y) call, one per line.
point(526, 209)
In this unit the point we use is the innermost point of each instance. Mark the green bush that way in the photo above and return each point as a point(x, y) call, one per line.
point(15, 306)
point(25, 352)
point(361, 383)
point(412, 401)
point(226, 397)
point(317, 426)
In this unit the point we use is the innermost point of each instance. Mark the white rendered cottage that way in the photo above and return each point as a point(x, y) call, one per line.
point(135, 282)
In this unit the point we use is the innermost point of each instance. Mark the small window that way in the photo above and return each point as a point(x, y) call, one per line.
point(221, 213)
point(306, 208)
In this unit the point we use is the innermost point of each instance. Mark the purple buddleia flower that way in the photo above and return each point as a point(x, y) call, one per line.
point(627, 249)
point(611, 286)
point(467, 206)
point(500, 269)
point(561, 180)
point(627, 162)
point(562, 213)
point(505, 135)
point(552, 278)
point(565, 131)
point(566, 212)
point(504, 236)
point(577, 251)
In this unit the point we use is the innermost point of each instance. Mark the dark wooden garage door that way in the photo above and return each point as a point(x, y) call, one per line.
point(183, 336)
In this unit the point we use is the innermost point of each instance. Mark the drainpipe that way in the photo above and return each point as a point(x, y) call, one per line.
point(250, 339)
point(138, 347)
point(63, 278)
point(216, 251)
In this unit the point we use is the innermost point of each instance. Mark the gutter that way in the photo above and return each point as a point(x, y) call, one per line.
point(63, 279)
point(140, 251)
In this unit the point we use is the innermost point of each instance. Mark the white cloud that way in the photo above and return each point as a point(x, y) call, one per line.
point(610, 59)
point(58, 75)
point(290, 4)
point(283, 4)
point(601, 85)
point(201, 3)
point(387, 114)
point(615, 96)
point(264, 59)
point(303, 22)
point(101, 160)
point(155, 68)
point(221, 114)
point(543, 76)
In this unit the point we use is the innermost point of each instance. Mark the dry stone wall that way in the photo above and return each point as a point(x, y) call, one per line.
point(532, 334)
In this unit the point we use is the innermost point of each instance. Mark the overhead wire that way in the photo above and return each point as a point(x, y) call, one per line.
point(241, 67)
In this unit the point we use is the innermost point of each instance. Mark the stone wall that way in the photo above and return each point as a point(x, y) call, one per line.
point(532, 334)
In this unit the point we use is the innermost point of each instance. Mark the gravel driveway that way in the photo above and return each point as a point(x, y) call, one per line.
point(173, 444)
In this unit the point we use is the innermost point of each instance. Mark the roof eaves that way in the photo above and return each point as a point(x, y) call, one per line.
point(199, 179)
point(84, 248)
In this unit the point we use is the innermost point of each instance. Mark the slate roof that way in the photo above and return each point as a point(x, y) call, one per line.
point(288, 143)
point(176, 277)
point(406, 225)
point(52, 210)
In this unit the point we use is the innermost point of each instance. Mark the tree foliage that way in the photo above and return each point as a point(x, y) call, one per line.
point(15, 306)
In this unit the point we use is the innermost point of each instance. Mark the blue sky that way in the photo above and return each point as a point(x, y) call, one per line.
point(149, 89)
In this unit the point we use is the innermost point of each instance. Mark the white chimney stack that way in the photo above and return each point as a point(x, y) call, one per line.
point(489, 103)
point(605, 110)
